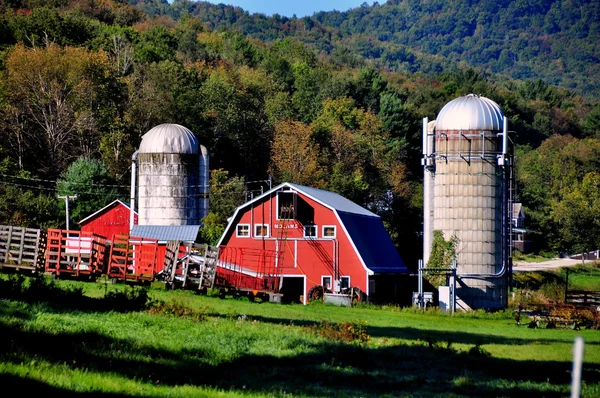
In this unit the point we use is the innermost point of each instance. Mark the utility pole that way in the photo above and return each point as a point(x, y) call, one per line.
point(66, 198)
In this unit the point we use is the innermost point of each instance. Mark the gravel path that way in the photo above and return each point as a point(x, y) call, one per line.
point(545, 265)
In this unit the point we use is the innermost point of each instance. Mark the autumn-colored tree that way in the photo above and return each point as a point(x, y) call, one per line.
point(59, 92)
point(294, 155)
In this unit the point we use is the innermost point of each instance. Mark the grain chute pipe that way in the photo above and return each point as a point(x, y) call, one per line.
point(428, 183)
point(133, 183)
point(505, 137)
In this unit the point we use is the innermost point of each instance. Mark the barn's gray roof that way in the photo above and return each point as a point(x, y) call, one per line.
point(186, 233)
point(470, 112)
point(333, 200)
point(169, 138)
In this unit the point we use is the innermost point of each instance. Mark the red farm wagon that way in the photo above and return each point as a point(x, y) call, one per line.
point(74, 253)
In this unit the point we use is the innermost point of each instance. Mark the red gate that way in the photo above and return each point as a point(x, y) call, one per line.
point(132, 258)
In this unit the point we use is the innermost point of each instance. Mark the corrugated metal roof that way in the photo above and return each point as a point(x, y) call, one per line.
point(470, 112)
point(169, 138)
point(186, 233)
point(333, 200)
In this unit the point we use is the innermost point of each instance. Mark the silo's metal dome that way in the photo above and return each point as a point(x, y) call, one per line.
point(169, 138)
point(470, 112)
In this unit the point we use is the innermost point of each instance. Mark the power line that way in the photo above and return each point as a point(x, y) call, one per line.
point(117, 195)
point(69, 183)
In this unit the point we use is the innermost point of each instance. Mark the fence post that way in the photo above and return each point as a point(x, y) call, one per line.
point(566, 284)
point(577, 361)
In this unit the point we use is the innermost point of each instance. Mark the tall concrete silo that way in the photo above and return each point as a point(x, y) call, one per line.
point(172, 173)
point(467, 172)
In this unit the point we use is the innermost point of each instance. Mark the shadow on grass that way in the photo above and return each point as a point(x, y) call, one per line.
point(322, 369)
point(30, 388)
point(41, 289)
point(408, 333)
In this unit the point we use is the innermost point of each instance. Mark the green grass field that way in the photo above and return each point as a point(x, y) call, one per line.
point(74, 338)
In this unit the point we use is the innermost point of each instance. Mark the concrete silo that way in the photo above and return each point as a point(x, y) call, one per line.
point(467, 172)
point(171, 174)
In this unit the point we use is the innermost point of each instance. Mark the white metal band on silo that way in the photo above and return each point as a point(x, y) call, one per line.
point(133, 183)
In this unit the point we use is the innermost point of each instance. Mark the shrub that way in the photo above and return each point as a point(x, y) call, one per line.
point(134, 298)
point(178, 310)
point(355, 332)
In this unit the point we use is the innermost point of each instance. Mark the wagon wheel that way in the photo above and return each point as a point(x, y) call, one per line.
point(315, 293)
point(356, 295)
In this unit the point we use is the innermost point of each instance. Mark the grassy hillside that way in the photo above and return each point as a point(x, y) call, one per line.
point(73, 338)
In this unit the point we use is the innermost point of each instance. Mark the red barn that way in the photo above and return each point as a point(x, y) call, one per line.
point(110, 220)
point(311, 237)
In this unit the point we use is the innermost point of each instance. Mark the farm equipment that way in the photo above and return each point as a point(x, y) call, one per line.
point(254, 273)
point(132, 259)
point(189, 265)
point(21, 248)
point(249, 272)
point(74, 253)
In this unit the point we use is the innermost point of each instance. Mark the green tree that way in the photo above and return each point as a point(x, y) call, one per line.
point(156, 44)
point(24, 200)
point(226, 194)
point(577, 214)
point(546, 176)
point(591, 123)
point(88, 179)
point(443, 252)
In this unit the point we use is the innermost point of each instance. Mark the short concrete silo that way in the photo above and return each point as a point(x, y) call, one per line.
point(467, 178)
point(172, 173)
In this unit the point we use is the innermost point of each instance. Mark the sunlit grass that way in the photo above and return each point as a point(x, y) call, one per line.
point(193, 345)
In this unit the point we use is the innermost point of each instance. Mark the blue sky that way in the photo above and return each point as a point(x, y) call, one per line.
point(290, 7)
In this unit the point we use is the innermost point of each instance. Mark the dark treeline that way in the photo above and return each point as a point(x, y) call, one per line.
point(82, 81)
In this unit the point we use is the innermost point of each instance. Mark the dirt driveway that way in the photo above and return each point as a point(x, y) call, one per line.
point(545, 265)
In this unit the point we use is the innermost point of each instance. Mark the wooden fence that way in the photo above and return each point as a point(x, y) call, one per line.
point(20, 247)
point(582, 297)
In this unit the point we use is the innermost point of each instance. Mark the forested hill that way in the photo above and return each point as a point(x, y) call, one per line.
point(553, 40)
point(321, 101)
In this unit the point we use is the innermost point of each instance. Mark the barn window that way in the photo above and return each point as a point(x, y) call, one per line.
point(326, 283)
point(243, 231)
point(344, 282)
point(328, 231)
point(310, 231)
point(261, 230)
point(286, 205)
